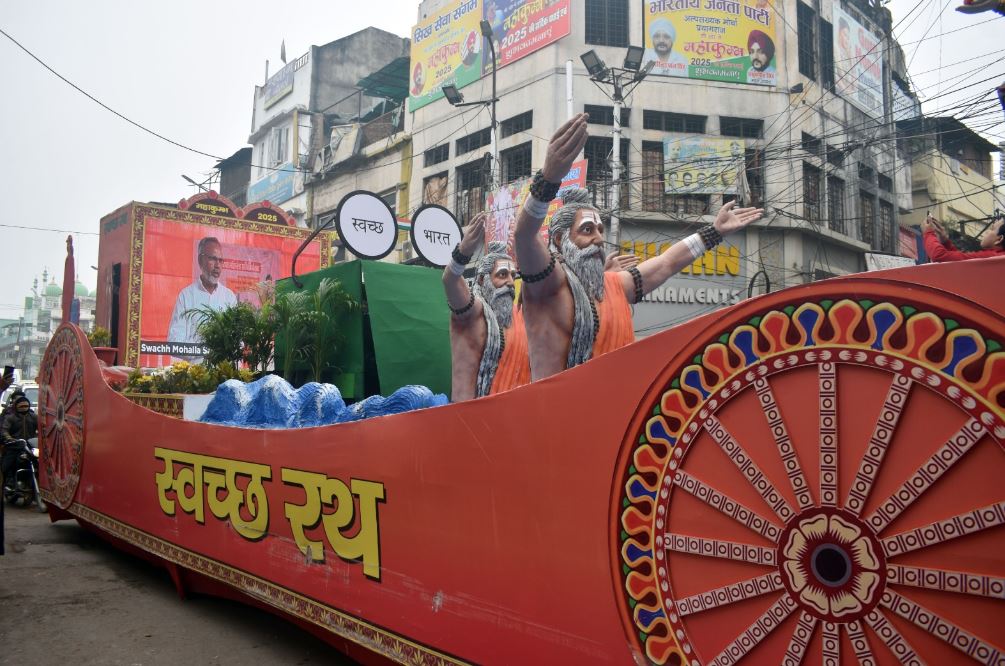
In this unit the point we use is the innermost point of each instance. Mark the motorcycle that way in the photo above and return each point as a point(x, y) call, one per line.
point(23, 488)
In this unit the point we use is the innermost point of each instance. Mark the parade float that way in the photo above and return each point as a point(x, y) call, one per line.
point(809, 476)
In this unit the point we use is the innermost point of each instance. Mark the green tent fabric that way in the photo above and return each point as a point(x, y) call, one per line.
point(399, 336)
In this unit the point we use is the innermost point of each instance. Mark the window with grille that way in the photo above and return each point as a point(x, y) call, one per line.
point(755, 176)
point(811, 193)
point(665, 121)
point(805, 19)
point(519, 123)
point(886, 226)
point(867, 215)
point(469, 189)
point(473, 141)
point(434, 189)
point(654, 199)
point(604, 115)
point(607, 22)
point(436, 155)
point(811, 144)
point(745, 128)
point(598, 152)
point(835, 204)
point(515, 162)
point(827, 55)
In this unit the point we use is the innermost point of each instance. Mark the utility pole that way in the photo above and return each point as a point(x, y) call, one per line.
point(623, 80)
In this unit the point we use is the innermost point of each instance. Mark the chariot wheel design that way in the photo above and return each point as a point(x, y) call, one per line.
point(821, 483)
point(61, 416)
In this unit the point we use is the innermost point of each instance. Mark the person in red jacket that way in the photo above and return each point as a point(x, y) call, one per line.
point(939, 248)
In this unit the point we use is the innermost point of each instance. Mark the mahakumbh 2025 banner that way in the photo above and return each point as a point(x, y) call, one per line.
point(858, 64)
point(520, 27)
point(446, 49)
point(702, 165)
point(716, 40)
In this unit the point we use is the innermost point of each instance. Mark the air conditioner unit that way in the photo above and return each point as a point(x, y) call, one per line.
point(407, 251)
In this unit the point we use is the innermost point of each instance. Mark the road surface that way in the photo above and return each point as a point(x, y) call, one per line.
point(69, 597)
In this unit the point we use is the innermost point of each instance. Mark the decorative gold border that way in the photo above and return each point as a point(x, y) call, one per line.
point(168, 404)
point(134, 304)
point(369, 636)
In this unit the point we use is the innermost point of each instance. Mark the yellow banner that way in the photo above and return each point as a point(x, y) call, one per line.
point(446, 49)
point(716, 40)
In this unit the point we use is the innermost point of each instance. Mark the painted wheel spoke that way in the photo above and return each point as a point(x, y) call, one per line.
point(727, 506)
point(947, 581)
point(928, 473)
point(893, 639)
point(756, 632)
point(800, 640)
point(748, 468)
point(860, 644)
point(726, 550)
point(831, 645)
point(828, 435)
point(945, 530)
point(942, 629)
point(728, 594)
point(882, 435)
point(789, 458)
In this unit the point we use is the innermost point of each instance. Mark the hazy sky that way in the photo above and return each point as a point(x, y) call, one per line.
point(187, 69)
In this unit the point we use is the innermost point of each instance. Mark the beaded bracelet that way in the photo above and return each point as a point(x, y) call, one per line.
point(537, 277)
point(709, 236)
point(637, 279)
point(461, 310)
point(458, 257)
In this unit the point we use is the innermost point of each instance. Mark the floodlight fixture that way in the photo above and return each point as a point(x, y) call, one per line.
point(453, 95)
point(644, 72)
point(594, 65)
point(633, 58)
point(486, 29)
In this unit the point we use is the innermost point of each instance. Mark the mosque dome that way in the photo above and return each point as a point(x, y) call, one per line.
point(80, 290)
point(53, 289)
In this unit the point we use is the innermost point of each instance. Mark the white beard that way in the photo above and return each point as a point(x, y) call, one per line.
point(588, 265)
point(501, 302)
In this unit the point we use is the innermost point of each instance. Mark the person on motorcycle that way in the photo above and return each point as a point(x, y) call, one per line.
point(19, 424)
point(9, 407)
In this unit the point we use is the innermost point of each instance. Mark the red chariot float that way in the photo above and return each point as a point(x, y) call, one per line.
point(812, 476)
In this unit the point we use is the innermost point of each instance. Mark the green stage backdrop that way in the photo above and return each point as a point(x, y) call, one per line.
point(399, 336)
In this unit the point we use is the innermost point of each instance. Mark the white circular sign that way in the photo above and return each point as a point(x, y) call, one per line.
point(435, 233)
point(366, 225)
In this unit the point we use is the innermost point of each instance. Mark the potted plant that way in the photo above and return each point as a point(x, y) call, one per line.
point(100, 338)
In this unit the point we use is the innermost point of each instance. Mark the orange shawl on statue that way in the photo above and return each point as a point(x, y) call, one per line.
point(514, 366)
point(616, 328)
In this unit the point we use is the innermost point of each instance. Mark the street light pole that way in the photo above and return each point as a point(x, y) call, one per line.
point(619, 77)
point(495, 174)
point(615, 197)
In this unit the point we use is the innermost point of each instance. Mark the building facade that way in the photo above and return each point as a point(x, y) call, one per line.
point(820, 151)
point(296, 108)
point(23, 341)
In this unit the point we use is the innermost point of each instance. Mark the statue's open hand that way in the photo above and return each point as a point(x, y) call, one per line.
point(474, 234)
point(731, 218)
point(563, 148)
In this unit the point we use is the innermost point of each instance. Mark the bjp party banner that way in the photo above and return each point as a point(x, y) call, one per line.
point(520, 27)
point(858, 64)
point(446, 49)
point(702, 165)
point(716, 40)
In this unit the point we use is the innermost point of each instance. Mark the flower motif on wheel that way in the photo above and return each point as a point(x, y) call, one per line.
point(831, 566)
